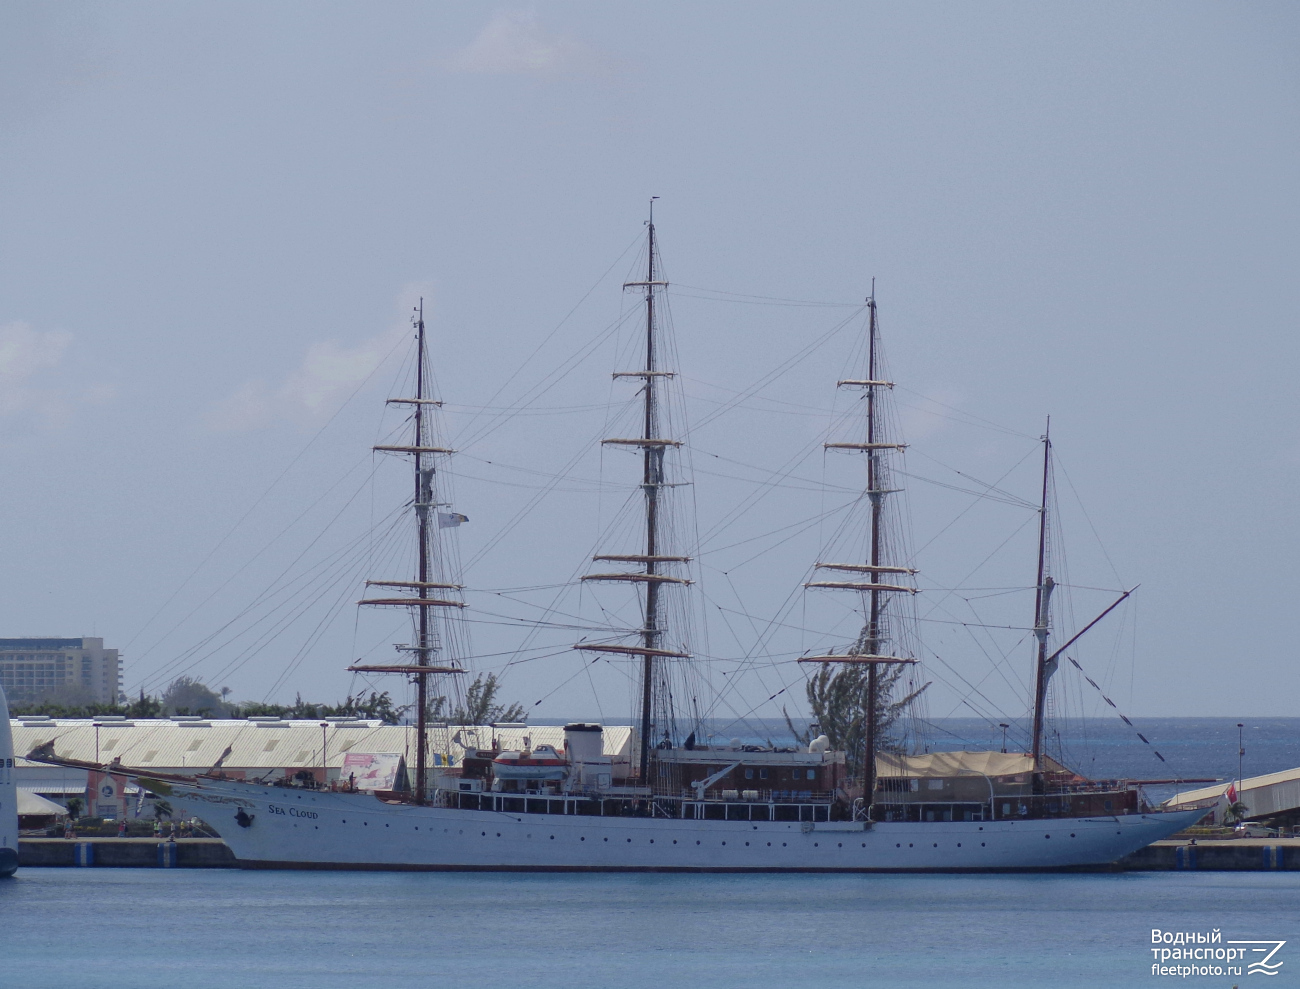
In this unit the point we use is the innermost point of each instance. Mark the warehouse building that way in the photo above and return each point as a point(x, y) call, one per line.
point(373, 754)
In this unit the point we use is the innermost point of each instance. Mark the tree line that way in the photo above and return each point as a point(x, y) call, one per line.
point(187, 696)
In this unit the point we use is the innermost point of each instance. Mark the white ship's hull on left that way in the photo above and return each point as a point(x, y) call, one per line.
point(8, 795)
point(307, 829)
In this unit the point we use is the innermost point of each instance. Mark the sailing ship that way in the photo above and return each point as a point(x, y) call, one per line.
point(682, 803)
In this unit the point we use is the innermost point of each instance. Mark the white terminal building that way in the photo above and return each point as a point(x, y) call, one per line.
point(372, 753)
point(33, 668)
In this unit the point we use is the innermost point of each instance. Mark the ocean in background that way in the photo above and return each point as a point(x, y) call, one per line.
point(1103, 748)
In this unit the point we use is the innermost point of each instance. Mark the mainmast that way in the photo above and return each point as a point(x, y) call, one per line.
point(1042, 608)
point(869, 649)
point(653, 447)
point(426, 645)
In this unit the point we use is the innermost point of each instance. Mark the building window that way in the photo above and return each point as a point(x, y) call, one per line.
point(749, 774)
point(812, 774)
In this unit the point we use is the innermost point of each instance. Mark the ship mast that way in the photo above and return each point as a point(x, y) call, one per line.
point(1042, 605)
point(426, 645)
point(869, 649)
point(653, 447)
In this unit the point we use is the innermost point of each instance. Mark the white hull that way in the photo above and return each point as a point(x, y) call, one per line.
point(294, 828)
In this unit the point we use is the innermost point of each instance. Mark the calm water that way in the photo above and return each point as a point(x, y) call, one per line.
point(105, 928)
point(108, 928)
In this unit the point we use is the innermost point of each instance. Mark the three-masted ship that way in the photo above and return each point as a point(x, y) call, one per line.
point(681, 803)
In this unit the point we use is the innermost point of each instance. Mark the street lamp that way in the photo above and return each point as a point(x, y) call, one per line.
point(1241, 751)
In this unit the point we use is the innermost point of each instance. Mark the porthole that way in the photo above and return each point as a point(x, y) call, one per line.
point(816, 844)
point(981, 844)
point(697, 843)
point(607, 839)
point(783, 844)
point(552, 837)
point(1071, 834)
point(652, 841)
point(959, 844)
point(769, 844)
point(909, 844)
point(674, 841)
point(629, 841)
point(746, 844)
point(724, 842)
point(498, 834)
point(583, 838)
point(840, 845)
point(365, 824)
point(1047, 836)
point(936, 844)
point(898, 845)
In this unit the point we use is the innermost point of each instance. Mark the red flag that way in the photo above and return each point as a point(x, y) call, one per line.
point(1231, 793)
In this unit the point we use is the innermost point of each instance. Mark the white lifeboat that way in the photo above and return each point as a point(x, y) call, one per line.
point(541, 763)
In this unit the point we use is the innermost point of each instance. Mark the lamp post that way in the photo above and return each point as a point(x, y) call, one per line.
point(324, 763)
point(1241, 751)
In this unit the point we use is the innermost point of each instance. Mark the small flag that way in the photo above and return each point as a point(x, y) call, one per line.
point(1231, 793)
point(449, 520)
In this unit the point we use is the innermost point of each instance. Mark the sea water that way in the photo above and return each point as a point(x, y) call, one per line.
point(109, 928)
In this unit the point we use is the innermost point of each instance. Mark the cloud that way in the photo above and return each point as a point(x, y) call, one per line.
point(513, 43)
point(25, 353)
point(327, 376)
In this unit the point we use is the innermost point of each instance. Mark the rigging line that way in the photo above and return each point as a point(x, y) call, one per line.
point(547, 382)
point(567, 316)
point(821, 518)
point(752, 499)
point(1007, 496)
point(262, 497)
point(1010, 500)
point(971, 415)
point(1079, 501)
point(270, 591)
point(524, 511)
point(306, 595)
point(997, 549)
point(771, 298)
point(790, 363)
point(754, 302)
point(266, 546)
point(802, 522)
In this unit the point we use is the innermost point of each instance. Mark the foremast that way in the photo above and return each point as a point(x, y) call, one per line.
point(879, 579)
point(653, 561)
point(423, 602)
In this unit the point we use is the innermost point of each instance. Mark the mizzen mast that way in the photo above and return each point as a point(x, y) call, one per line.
point(427, 644)
point(869, 650)
point(1044, 665)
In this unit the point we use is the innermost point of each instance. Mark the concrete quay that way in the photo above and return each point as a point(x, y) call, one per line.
point(126, 853)
point(1217, 855)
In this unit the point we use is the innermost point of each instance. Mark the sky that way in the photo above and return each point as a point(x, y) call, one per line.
point(218, 217)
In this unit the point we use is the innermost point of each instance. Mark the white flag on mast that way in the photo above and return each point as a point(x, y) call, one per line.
point(448, 520)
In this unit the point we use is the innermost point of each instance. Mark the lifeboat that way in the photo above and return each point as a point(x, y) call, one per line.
point(541, 763)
